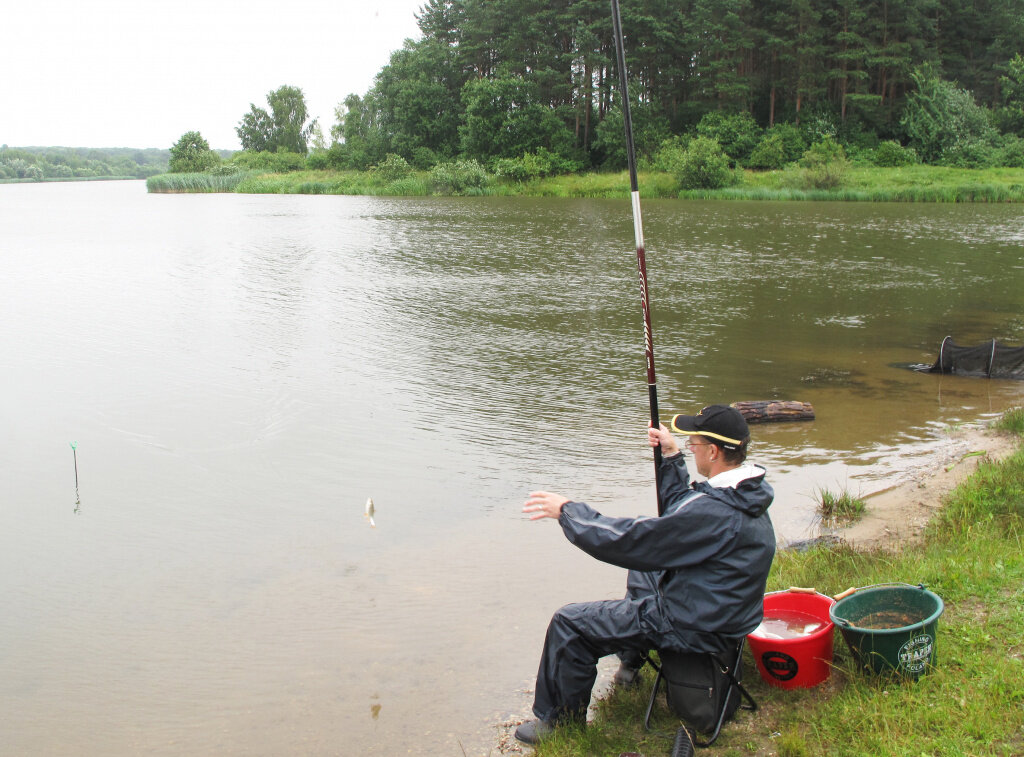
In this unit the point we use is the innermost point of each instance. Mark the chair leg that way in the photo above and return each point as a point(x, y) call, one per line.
point(734, 686)
point(718, 726)
point(650, 702)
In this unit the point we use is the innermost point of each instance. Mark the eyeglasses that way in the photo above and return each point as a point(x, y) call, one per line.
point(691, 445)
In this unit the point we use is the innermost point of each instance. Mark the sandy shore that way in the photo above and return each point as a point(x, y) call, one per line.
point(899, 514)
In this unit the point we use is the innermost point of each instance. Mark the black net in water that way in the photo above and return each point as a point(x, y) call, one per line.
point(990, 360)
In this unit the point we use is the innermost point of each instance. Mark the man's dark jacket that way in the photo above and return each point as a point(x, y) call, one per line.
point(705, 561)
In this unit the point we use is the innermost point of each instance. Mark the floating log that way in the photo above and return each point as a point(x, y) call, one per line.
point(775, 411)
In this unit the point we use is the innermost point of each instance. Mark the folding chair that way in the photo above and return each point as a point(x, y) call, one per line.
point(702, 689)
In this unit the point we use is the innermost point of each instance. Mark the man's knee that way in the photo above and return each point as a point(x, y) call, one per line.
point(571, 616)
point(602, 628)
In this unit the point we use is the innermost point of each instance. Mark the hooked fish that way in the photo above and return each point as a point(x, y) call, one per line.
point(369, 511)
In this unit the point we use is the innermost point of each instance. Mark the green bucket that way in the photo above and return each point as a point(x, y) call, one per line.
point(890, 628)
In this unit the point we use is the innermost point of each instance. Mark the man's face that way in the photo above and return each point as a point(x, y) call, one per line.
point(702, 452)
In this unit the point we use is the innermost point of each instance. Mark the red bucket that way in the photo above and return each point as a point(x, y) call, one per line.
point(786, 655)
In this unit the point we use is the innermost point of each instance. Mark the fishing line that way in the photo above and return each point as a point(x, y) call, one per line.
point(641, 258)
point(74, 451)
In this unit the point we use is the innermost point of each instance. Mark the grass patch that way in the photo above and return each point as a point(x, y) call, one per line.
point(917, 183)
point(1012, 420)
point(194, 182)
point(839, 508)
point(971, 703)
point(860, 184)
point(335, 183)
point(654, 184)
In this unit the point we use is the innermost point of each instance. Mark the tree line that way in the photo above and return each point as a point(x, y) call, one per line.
point(497, 78)
point(531, 86)
point(68, 163)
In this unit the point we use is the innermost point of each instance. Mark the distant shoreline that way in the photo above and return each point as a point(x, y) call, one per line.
point(55, 180)
point(918, 183)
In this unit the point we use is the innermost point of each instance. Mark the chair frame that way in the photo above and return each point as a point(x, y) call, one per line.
point(734, 685)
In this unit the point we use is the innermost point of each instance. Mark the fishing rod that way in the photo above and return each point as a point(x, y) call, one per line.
point(641, 259)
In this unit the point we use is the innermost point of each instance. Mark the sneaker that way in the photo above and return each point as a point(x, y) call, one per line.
point(626, 677)
point(532, 731)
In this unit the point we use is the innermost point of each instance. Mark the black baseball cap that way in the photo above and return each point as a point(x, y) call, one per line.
point(725, 425)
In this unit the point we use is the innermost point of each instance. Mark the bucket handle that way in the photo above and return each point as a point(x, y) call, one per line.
point(793, 590)
point(855, 589)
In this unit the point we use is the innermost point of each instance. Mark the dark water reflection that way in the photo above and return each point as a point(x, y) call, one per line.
point(241, 373)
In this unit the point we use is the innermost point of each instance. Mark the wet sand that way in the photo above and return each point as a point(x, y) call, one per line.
point(899, 513)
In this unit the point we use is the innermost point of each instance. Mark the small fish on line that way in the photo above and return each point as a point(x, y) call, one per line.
point(369, 511)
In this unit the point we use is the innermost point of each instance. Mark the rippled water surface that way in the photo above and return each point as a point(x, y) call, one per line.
point(241, 373)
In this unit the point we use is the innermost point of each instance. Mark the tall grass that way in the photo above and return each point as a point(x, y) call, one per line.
point(839, 508)
point(930, 194)
point(1012, 420)
point(653, 184)
point(194, 182)
point(917, 183)
point(335, 183)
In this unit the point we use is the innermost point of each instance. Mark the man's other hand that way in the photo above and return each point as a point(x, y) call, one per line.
point(544, 505)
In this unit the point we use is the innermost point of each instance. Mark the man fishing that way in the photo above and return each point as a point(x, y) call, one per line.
point(697, 572)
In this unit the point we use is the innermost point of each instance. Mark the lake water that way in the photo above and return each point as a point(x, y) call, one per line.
point(241, 372)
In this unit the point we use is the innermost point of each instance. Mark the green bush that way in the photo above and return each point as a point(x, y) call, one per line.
point(704, 165)
point(423, 158)
point(460, 177)
point(781, 144)
point(670, 155)
point(192, 154)
point(1010, 115)
point(770, 153)
point(341, 156)
point(520, 169)
point(535, 165)
point(792, 140)
point(224, 169)
point(318, 160)
point(737, 133)
point(393, 168)
point(891, 153)
point(506, 114)
point(944, 123)
point(22, 169)
point(824, 165)
point(1011, 153)
point(649, 131)
point(970, 153)
point(271, 162)
point(818, 123)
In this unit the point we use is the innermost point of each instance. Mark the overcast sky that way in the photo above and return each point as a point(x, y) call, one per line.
point(113, 73)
